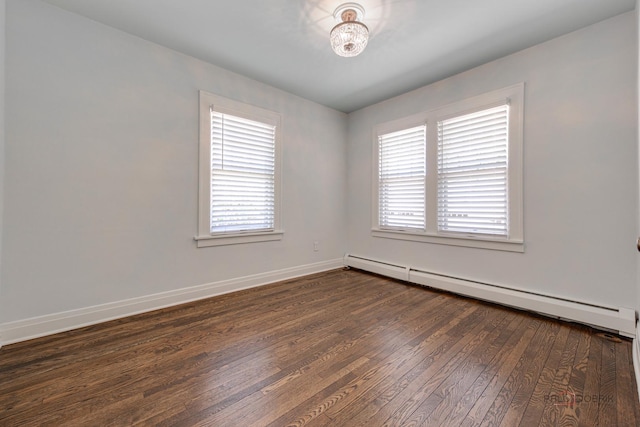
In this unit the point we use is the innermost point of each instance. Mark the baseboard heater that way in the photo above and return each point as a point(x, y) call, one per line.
point(621, 320)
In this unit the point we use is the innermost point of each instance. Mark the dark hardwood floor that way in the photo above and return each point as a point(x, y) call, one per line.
point(341, 348)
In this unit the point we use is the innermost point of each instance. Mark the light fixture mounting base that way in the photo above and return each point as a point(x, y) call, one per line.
point(349, 12)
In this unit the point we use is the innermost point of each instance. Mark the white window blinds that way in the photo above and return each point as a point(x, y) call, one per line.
point(472, 173)
point(401, 175)
point(242, 174)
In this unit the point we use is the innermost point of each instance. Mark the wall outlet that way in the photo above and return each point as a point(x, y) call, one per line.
point(316, 246)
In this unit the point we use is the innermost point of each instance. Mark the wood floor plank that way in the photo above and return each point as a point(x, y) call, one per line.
point(589, 413)
point(398, 359)
point(339, 348)
point(571, 416)
point(498, 351)
point(517, 376)
point(526, 380)
point(507, 363)
point(334, 354)
point(410, 399)
point(607, 394)
point(427, 345)
point(626, 396)
point(460, 381)
point(542, 397)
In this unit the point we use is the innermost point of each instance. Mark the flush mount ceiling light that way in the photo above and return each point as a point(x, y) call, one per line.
point(349, 38)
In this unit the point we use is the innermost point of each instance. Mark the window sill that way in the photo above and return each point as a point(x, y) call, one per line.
point(497, 245)
point(237, 238)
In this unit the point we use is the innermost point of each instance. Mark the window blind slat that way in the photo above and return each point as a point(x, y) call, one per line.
point(472, 173)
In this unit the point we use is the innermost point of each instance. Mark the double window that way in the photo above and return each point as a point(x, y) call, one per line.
point(453, 175)
point(239, 179)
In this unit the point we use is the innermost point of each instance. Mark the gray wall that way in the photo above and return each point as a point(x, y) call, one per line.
point(101, 169)
point(638, 142)
point(2, 129)
point(580, 169)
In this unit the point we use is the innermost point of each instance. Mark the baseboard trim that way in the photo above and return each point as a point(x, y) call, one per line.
point(619, 319)
point(23, 330)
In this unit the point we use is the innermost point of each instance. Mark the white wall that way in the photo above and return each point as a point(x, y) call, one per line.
point(637, 38)
point(580, 176)
point(2, 129)
point(101, 169)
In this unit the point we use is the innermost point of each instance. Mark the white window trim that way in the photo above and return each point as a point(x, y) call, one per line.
point(515, 241)
point(204, 237)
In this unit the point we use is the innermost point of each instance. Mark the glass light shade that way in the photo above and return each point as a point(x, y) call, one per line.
point(349, 38)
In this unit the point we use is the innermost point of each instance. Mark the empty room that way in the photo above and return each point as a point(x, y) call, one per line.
point(319, 213)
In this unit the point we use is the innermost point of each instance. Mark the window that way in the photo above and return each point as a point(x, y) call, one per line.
point(402, 173)
point(459, 182)
point(472, 172)
point(239, 173)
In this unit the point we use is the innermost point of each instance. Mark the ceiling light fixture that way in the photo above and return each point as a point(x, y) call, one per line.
point(350, 37)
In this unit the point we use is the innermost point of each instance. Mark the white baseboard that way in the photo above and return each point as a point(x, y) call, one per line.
point(620, 319)
point(27, 329)
point(378, 267)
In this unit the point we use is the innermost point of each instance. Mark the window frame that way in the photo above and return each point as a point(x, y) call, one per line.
point(514, 242)
point(205, 238)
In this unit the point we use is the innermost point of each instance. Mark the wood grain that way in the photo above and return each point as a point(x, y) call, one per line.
point(340, 348)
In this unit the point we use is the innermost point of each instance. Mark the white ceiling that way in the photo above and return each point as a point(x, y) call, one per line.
point(285, 42)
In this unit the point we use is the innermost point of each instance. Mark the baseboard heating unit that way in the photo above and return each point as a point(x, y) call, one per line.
point(619, 319)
